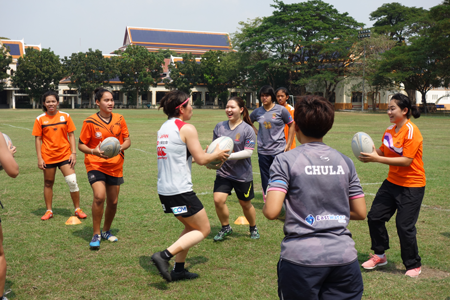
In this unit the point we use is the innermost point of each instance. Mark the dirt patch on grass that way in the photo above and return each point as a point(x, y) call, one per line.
point(433, 273)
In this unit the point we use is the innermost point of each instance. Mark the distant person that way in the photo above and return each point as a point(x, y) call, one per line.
point(271, 141)
point(236, 173)
point(12, 169)
point(402, 191)
point(282, 94)
point(56, 148)
point(322, 193)
point(104, 174)
point(177, 144)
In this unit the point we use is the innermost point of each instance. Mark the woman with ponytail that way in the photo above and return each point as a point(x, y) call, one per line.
point(404, 188)
point(236, 172)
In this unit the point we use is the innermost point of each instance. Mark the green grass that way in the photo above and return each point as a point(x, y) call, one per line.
point(50, 260)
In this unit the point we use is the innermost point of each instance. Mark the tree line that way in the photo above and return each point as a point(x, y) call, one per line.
point(307, 47)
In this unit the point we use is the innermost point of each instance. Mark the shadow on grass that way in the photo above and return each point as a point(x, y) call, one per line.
point(86, 233)
point(447, 235)
point(390, 268)
point(56, 211)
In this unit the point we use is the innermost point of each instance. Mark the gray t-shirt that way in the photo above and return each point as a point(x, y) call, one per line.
point(271, 139)
point(319, 182)
point(243, 137)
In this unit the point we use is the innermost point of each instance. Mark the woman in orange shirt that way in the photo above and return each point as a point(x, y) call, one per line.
point(402, 191)
point(54, 149)
point(105, 174)
point(282, 95)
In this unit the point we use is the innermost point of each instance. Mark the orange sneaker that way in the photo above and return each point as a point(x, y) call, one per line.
point(48, 215)
point(414, 273)
point(80, 214)
point(374, 261)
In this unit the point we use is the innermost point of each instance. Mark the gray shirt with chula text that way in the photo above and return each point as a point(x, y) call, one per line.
point(319, 182)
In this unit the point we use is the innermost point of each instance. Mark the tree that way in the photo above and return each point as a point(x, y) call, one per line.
point(184, 75)
point(439, 36)
point(309, 42)
point(89, 70)
point(368, 54)
point(5, 60)
point(38, 72)
point(396, 20)
point(139, 69)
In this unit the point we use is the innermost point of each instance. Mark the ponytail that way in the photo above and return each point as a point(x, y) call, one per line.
point(245, 115)
point(172, 102)
point(404, 102)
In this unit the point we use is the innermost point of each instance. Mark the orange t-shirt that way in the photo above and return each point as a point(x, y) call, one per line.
point(406, 142)
point(94, 131)
point(286, 127)
point(53, 130)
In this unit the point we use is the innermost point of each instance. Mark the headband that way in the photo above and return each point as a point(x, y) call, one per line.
point(182, 103)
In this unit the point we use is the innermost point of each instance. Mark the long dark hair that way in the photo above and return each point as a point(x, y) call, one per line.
point(171, 101)
point(45, 95)
point(268, 90)
point(404, 101)
point(245, 115)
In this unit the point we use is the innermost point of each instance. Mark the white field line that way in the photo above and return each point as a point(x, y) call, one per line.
point(371, 183)
point(141, 150)
point(16, 127)
point(436, 208)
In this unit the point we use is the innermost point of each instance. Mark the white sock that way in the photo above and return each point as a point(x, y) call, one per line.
point(380, 255)
point(50, 210)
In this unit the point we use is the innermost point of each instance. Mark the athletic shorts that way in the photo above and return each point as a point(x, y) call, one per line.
point(244, 190)
point(184, 205)
point(94, 176)
point(62, 163)
point(327, 283)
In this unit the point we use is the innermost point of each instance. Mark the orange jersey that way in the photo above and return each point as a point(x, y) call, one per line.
point(406, 142)
point(94, 131)
point(286, 127)
point(55, 146)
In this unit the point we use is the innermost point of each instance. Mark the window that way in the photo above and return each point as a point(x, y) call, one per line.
point(356, 97)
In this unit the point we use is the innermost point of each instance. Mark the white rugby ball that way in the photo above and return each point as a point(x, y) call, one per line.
point(7, 140)
point(224, 143)
point(362, 142)
point(110, 146)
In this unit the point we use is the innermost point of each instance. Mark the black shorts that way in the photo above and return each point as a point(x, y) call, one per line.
point(244, 190)
point(62, 163)
point(94, 176)
point(184, 205)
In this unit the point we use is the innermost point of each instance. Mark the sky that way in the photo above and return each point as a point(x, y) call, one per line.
point(72, 26)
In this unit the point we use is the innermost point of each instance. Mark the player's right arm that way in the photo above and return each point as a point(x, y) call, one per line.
point(7, 160)
point(38, 143)
point(189, 135)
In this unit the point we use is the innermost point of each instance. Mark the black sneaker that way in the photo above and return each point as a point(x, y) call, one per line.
point(162, 265)
point(222, 234)
point(185, 274)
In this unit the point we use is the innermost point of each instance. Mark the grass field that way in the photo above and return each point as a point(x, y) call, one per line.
point(50, 260)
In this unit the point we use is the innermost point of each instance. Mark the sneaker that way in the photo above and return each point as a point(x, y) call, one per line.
point(162, 265)
point(414, 273)
point(185, 274)
point(80, 214)
point(254, 234)
point(374, 261)
point(95, 242)
point(222, 234)
point(48, 215)
point(108, 236)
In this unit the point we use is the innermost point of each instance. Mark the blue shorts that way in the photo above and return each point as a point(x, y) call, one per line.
point(310, 283)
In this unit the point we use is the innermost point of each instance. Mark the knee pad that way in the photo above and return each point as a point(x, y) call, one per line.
point(72, 182)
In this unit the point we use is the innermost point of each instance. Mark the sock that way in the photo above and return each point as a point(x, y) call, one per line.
point(166, 255)
point(50, 210)
point(76, 208)
point(179, 267)
point(380, 255)
point(226, 227)
point(252, 228)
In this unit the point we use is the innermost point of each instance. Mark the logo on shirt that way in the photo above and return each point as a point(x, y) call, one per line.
point(267, 125)
point(161, 153)
point(45, 122)
point(324, 158)
point(238, 136)
point(339, 218)
point(98, 135)
point(324, 170)
point(179, 209)
point(61, 118)
point(274, 116)
point(310, 219)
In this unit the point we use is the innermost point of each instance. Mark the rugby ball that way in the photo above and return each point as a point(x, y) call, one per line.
point(361, 142)
point(110, 146)
point(224, 143)
point(7, 140)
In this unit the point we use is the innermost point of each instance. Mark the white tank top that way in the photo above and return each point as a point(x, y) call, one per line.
point(174, 160)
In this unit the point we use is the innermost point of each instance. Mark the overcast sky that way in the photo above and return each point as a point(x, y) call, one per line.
point(72, 26)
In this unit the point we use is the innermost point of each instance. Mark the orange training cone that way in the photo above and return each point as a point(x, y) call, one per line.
point(73, 221)
point(241, 221)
